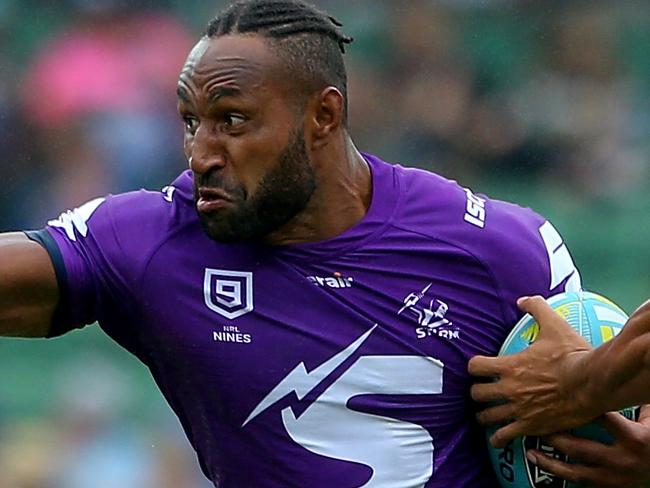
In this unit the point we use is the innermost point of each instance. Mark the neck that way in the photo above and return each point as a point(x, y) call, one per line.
point(341, 199)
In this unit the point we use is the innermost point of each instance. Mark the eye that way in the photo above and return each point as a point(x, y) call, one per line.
point(191, 124)
point(233, 120)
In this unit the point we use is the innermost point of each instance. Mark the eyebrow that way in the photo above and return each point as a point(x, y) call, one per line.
point(181, 93)
point(226, 91)
point(213, 96)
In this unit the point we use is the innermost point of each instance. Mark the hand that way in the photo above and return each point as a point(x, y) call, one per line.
point(541, 385)
point(626, 463)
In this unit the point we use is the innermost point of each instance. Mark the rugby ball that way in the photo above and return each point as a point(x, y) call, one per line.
point(598, 320)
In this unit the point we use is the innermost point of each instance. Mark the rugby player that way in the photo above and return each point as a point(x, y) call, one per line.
point(307, 310)
point(560, 383)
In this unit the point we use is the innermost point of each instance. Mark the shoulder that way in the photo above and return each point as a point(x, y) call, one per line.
point(100, 249)
point(127, 226)
point(448, 211)
point(519, 249)
point(143, 212)
point(170, 206)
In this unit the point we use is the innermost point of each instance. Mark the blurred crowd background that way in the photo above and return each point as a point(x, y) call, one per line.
point(544, 102)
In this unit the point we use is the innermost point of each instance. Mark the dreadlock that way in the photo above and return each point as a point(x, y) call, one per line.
point(309, 41)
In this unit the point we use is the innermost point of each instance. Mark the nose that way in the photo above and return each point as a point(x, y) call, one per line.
point(206, 152)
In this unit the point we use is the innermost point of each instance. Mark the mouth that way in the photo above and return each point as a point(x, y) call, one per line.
point(212, 199)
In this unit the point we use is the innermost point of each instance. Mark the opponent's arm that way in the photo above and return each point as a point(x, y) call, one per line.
point(618, 372)
point(28, 287)
point(559, 383)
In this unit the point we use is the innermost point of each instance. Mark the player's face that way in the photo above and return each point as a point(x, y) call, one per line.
point(244, 139)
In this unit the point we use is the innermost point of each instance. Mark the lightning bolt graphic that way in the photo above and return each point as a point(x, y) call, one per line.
point(301, 382)
point(414, 298)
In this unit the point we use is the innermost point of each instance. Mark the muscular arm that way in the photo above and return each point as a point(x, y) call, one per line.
point(28, 287)
point(618, 372)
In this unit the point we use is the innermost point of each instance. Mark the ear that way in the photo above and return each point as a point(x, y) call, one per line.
point(326, 115)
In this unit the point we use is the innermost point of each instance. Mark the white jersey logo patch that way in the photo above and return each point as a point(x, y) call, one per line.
point(76, 220)
point(475, 210)
point(559, 260)
point(430, 314)
point(229, 293)
point(168, 193)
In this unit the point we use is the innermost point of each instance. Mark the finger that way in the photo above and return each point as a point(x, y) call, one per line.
point(486, 366)
point(487, 392)
point(584, 450)
point(576, 473)
point(538, 307)
point(505, 434)
point(543, 314)
point(616, 424)
point(498, 414)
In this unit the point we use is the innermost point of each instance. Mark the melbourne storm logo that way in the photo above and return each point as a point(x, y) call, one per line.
point(430, 314)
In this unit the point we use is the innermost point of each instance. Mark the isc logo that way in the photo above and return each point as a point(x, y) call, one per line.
point(475, 210)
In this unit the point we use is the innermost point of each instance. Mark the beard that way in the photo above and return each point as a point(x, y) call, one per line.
point(282, 194)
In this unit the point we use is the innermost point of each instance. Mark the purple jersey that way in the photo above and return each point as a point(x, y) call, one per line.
point(341, 363)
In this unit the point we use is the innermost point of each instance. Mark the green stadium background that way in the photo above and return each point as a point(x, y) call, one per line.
point(545, 103)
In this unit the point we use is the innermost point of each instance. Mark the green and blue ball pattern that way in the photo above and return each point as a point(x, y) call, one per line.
point(598, 320)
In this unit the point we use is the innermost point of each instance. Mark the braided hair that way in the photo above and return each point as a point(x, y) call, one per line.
point(309, 41)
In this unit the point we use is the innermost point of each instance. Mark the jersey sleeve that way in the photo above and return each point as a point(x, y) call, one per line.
point(527, 256)
point(99, 252)
point(509, 251)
